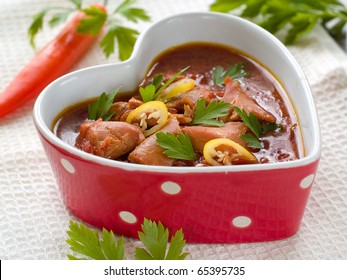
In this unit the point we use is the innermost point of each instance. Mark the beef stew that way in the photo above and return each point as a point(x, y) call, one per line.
point(205, 92)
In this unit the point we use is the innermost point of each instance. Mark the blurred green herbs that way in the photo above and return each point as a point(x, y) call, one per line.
point(295, 17)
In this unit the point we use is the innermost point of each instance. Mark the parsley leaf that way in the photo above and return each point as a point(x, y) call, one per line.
point(77, 3)
point(36, 26)
point(89, 243)
point(297, 17)
point(58, 19)
point(250, 121)
point(302, 24)
point(271, 127)
point(158, 79)
point(86, 242)
point(148, 92)
point(176, 247)
point(256, 127)
point(93, 22)
point(126, 38)
point(152, 90)
point(132, 14)
point(37, 23)
point(179, 147)
point(208, 115)
point(226, 5)
point(99, 109)
point(235, 71)
point(251, 141)
point(155, 239)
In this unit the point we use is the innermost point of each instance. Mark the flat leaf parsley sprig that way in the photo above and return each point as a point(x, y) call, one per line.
point(298, 16)
point(257, 128)
point(177, 147)
point(87, 242)
point(207, 115)
point(99, 108)
point(155, 239)
point(94, 22)
point(235, 71)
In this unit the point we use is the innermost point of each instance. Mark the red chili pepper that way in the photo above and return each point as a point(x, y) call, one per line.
point(54, 60)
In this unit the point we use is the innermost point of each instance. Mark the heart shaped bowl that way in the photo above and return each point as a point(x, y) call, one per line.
point(221, 204)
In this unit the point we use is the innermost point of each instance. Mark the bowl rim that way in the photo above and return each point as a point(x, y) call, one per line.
point(51, 138)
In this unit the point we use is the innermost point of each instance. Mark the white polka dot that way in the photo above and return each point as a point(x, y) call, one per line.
point(171, 188)
point(241, 221)
point(127, 217)
point(307, 181)
point(68, 166)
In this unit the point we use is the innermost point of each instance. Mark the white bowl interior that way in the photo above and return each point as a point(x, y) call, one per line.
point(175, 30)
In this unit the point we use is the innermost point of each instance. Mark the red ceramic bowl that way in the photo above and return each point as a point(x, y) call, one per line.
point(226, 204)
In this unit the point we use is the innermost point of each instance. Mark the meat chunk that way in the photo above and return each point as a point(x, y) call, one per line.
point(200, 135)
point(149, 152)
point(189, 98)
point(110, 139)
point(118, 109)
point(121, 109)
point(237, 97)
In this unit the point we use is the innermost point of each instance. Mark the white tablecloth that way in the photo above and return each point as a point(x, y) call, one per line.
point(33, 217)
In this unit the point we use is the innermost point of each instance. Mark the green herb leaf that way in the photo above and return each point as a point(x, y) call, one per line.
point(208, 115)
point(218, 75)
point(253, 8)
point(86, 242)
point(157, 80)
point(126, 38)
point(100, 108)
point(93, 22)
point(250, 121)
point(77, 3)
point(147, 93)
point(301, 24)
point(299, 16)
point(152, 91)
point(36, 26)
point(58, 19)
point(176, 247)
point(155, 239)
point(256, 127)
point(73, 258)
point(179, 147)
point(275, 22)
point(251, 141)
point(225, 6)
point(235, 71)
point(131, 13)
point(112, 249)
point(271, 127)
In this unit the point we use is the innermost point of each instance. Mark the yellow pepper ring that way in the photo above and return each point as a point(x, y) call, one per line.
point(176, 88)
point(155, 110)
point(223, 151)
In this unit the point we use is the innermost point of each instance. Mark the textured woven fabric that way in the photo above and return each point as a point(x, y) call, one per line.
point(33, 217)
